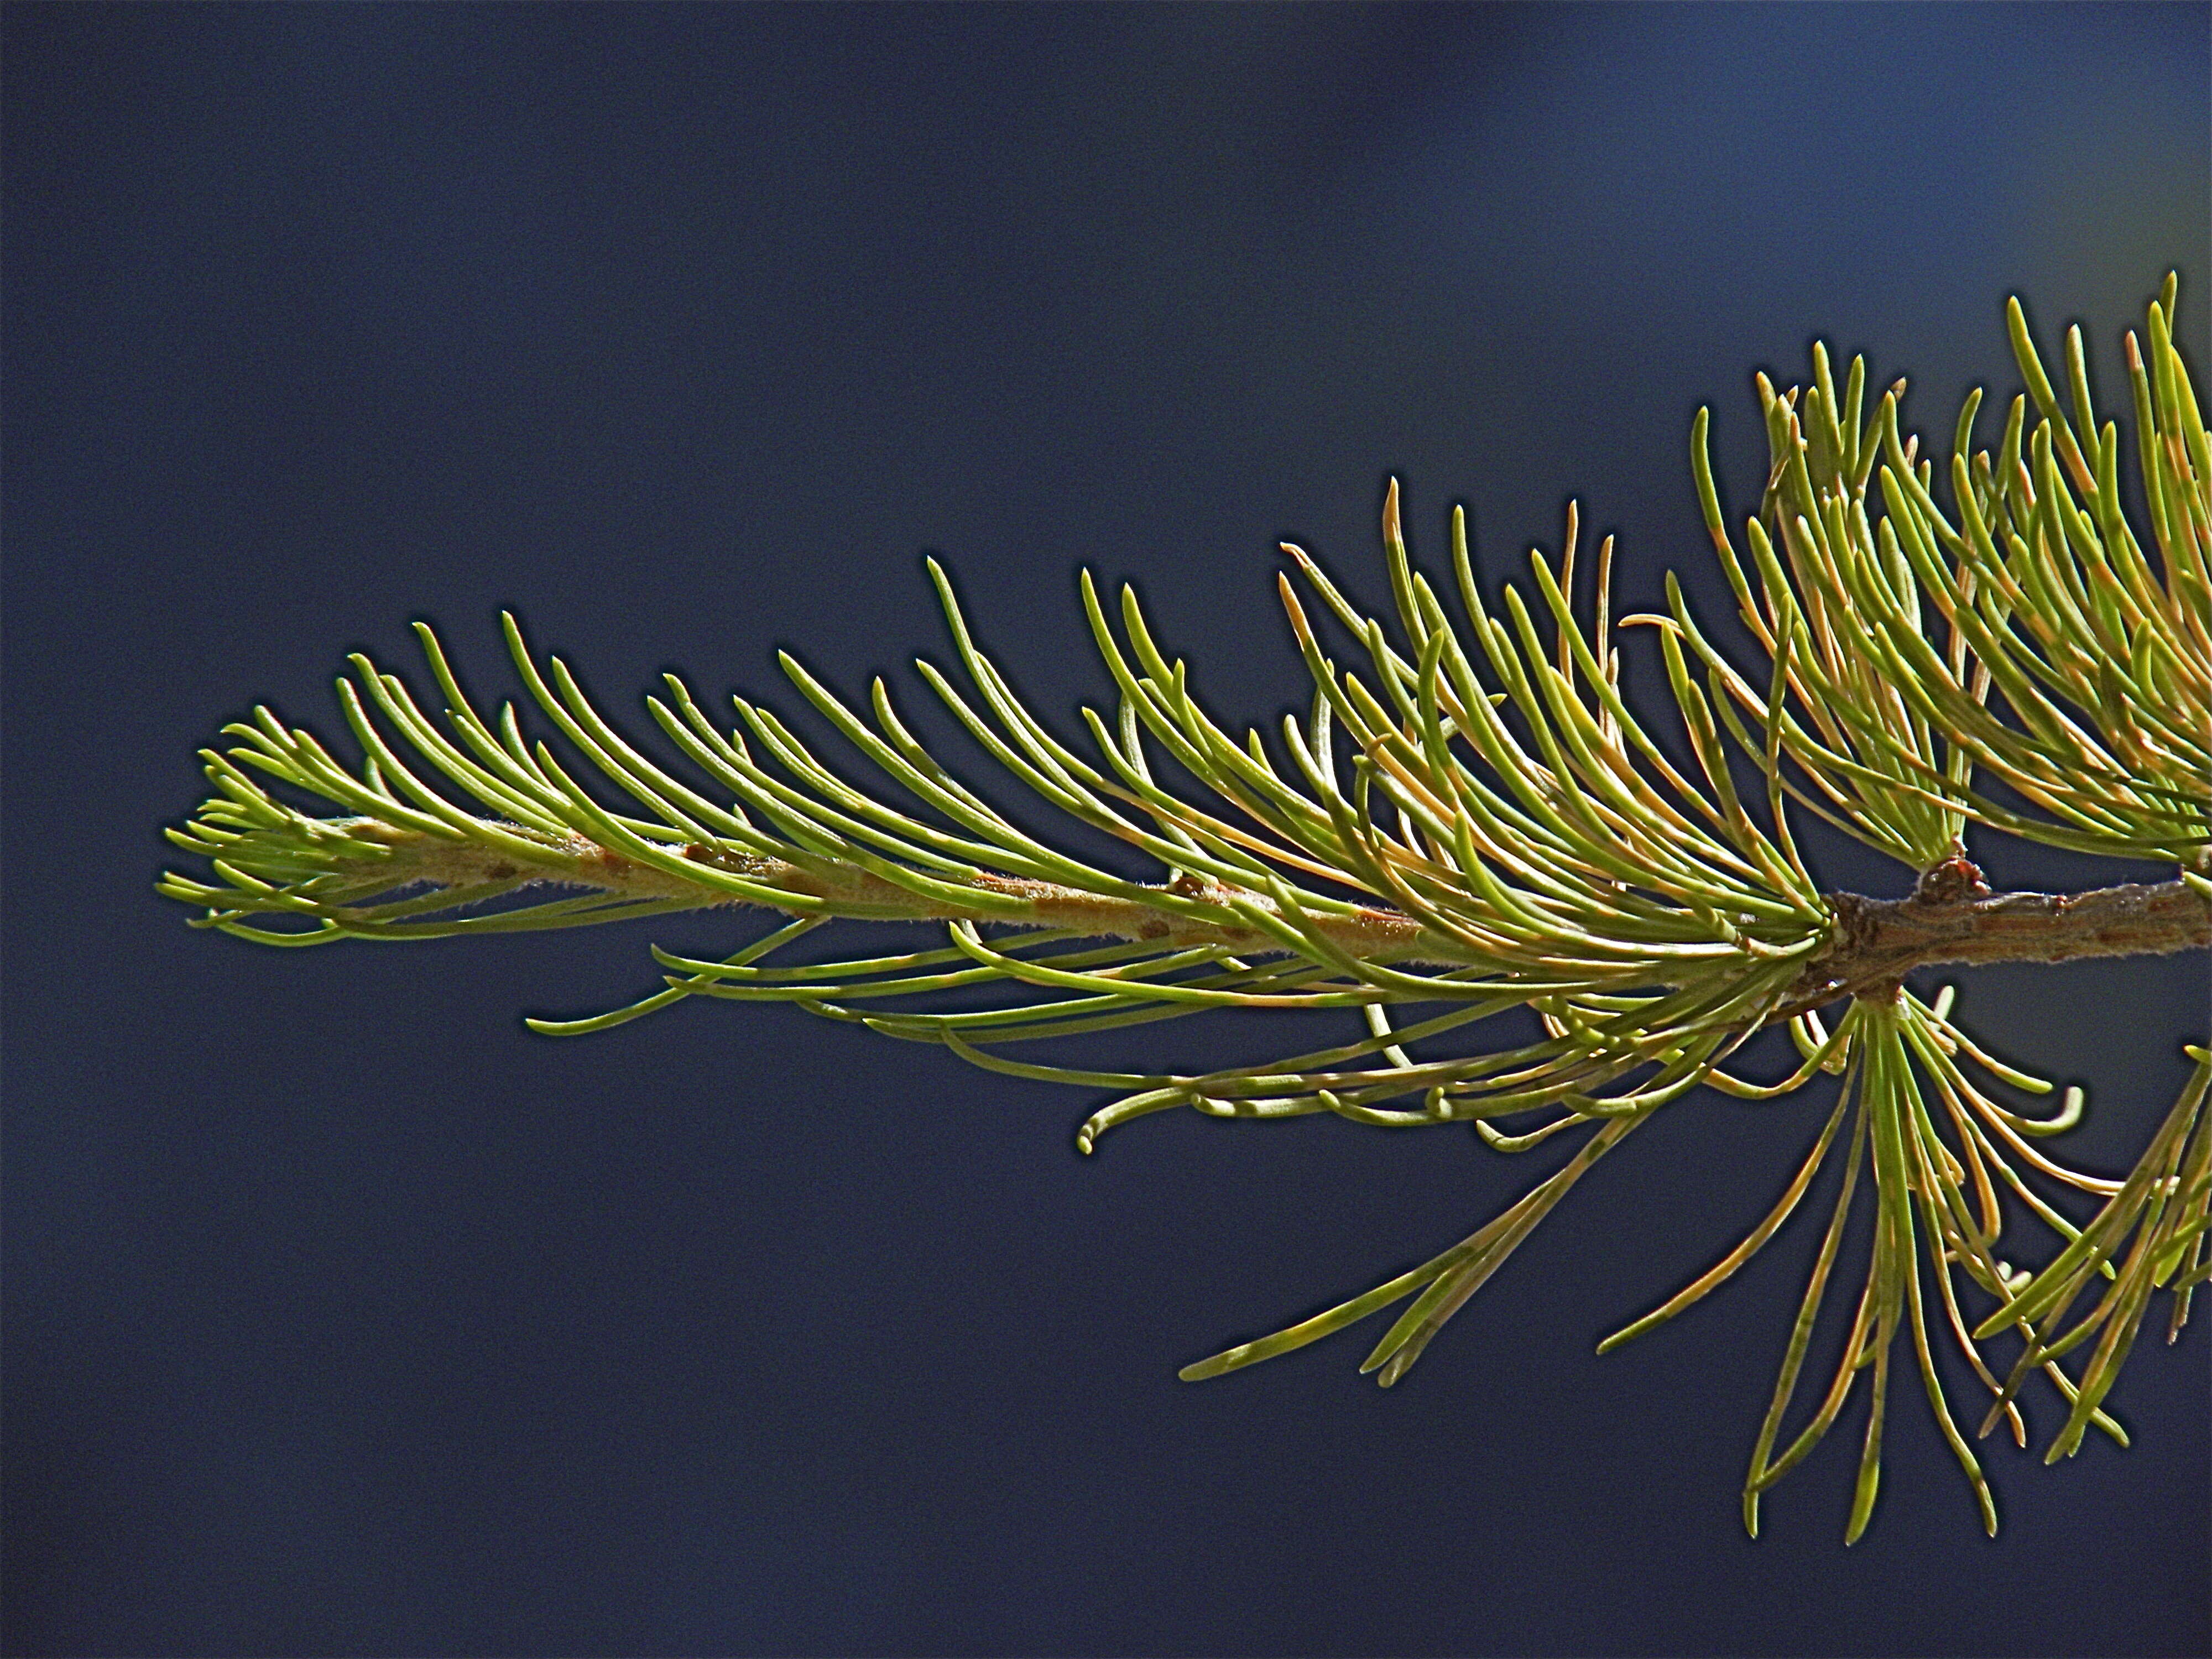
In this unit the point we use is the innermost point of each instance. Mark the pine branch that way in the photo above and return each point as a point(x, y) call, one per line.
point(1874, 945)
point(418, 858)
point(1474, 821)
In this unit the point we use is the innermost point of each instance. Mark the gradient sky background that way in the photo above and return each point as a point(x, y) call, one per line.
point(345, 1317)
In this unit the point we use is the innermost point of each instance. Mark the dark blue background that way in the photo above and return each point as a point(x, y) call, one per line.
point(345, 1317)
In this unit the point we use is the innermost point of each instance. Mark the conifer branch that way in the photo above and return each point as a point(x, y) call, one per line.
point(1471, 820)
point(1874, 945)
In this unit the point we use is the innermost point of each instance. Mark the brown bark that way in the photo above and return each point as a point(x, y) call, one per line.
point(1879, 941)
